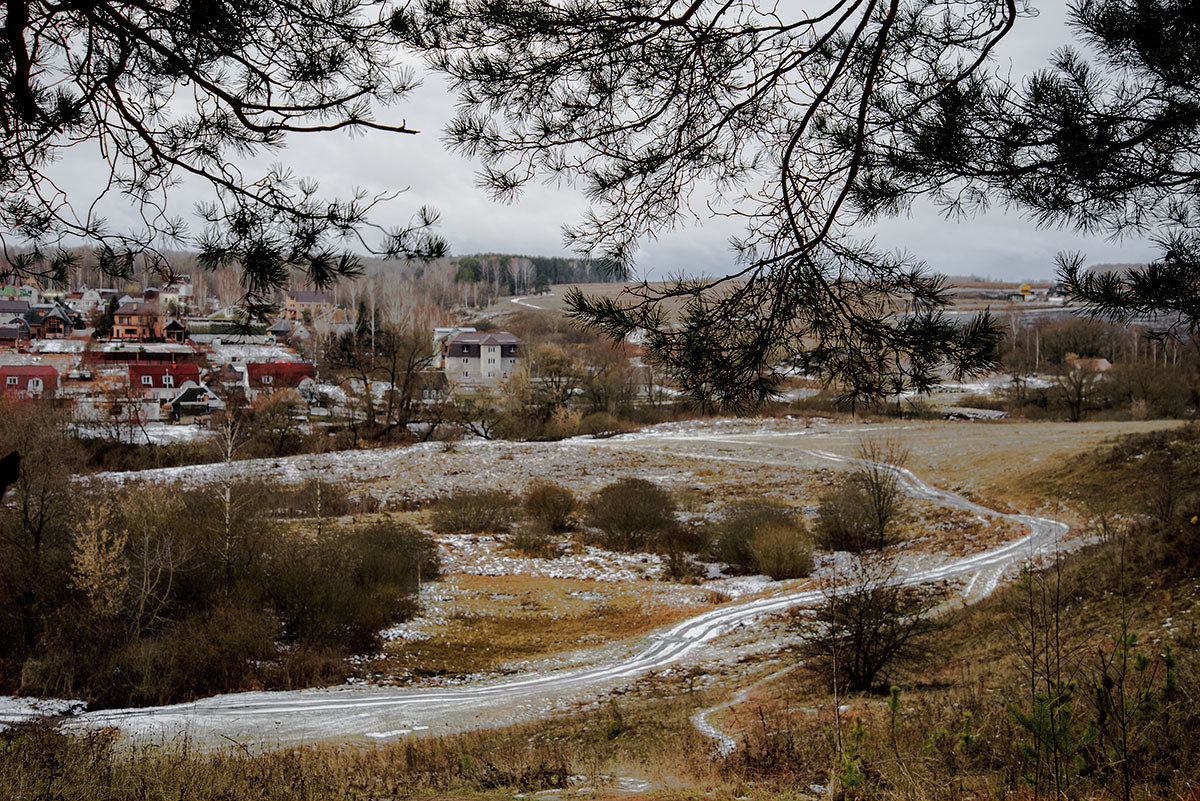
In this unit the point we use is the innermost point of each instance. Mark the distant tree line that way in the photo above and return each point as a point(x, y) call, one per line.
point(515, 274)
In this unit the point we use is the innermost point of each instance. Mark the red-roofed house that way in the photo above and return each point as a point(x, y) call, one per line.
point(269, 377)
point(160, 381)
point(28, 381)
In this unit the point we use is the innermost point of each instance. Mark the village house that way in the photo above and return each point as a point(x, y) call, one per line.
point(440, 335)
point(13, 336)
point(28, 381)
point(139, 322)
point(10, 306)
point(480, 358)
point(434, 386)
point(175, 331)
point(195, 400)
point(26, 292)
point(17, 325)
point(299, 302)
point(270, 377)
point(1100, 365)
point(161, 382)
point(49, 322)
point(177, 293)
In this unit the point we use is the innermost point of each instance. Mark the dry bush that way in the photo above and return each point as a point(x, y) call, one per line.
point(534, 538)
point(550, 504)
point(738, 526)
point(844, 520)
point(602, 425)
point(782, 552)
point(472, 512)
point(340, 590)
point(630, 512)
point(678, 543)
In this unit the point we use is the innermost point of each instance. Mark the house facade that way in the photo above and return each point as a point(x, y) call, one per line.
point(298, 302)
point(13, 336)
point(266, 378)
point(175, 331)
point(28, 381)
point(480, 358)
point(47, 321)
point(137, 322)
point(160, 382)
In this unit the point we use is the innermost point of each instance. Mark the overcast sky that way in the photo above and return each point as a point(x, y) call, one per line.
point(1002, 246)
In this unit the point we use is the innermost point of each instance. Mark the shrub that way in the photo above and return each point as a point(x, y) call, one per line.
point(677, 543)
point(630, 512)
point(844, 520)
point(870, 626)
point(603, 424)
point(536, 539)
point(342, 589)
point(551, 505)
point(782, 552)
point(740, 524)
point(473, 512)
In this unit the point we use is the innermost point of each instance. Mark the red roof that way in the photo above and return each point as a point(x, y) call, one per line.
point(158, 373)
point(23, 373)
point(282, 374)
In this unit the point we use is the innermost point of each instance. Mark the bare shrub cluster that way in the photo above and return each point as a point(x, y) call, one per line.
point(473, 512)
point(861, 513)
point(764, 538)
point(630, 513)
point(151, 594)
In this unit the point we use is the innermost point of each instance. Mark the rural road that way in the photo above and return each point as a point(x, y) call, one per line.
point(364, 713)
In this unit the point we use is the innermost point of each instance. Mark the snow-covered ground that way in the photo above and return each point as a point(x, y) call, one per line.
point(147, 433)
point(58, 346)
point(20, 710)
point(240, 353)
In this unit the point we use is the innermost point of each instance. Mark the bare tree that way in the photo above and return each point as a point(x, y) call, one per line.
point(880, 461)
point(1076, 384)
point(869, 625)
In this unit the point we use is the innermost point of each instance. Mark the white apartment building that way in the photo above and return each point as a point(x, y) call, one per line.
point(480, 358)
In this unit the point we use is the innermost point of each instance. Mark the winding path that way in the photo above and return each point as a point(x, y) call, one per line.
point(375, 713)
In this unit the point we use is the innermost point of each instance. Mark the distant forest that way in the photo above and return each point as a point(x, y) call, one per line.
point(517, 273)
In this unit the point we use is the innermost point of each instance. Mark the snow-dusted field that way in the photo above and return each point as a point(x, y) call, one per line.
point(718, 460)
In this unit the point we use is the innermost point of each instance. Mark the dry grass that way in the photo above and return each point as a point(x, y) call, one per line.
point(505, 619)
point(650, 740)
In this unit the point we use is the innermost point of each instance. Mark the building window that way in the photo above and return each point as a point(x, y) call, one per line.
point(466, 361)
point(168, 380)
point(11, 381)
point(35, 385)
point(464, 373)
point(147, 380)
point(266, 379)
point(491, 361)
